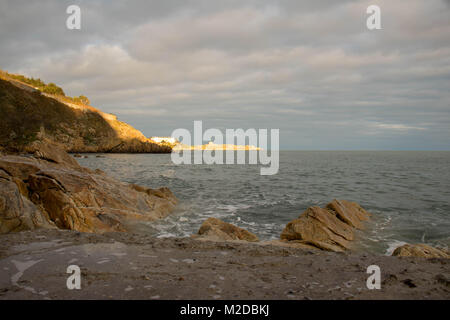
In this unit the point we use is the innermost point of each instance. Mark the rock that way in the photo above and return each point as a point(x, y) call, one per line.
point(349, 212)
point(51, 152)
point(330, 228)
point(58, 192)
point(17, 213)
point(216, 230)
point(420, 250)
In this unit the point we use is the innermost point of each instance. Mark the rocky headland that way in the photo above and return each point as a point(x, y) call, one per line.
point(28, 115)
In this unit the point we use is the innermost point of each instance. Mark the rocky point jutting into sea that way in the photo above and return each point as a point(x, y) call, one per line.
point(28, 115)
point(54, 212)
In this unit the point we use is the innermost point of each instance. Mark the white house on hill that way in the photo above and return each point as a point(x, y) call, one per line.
point(164, 139)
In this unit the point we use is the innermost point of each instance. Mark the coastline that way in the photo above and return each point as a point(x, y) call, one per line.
point(126, 265)
point(135, 266)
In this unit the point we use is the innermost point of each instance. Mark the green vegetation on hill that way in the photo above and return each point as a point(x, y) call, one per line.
point(28, 115)
point(49, 88)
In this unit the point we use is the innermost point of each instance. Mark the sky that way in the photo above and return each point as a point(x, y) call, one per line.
point(311, 69)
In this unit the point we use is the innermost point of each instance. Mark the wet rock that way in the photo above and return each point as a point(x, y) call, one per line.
point(330, 228)
point(217, 230)
point(420, 250)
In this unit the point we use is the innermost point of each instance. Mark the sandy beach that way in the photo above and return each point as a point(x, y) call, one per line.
point(130, 266)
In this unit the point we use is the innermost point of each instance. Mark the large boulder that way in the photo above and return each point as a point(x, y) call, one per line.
point(330, 228)
point(420, 250)
point(217, 230)
point(51, 190)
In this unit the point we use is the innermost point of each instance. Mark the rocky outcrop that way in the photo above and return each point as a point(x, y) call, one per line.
point(27, 116)
point(330, 228)
point(17, 213)
point(216, 230)
point(52, 153)
point(420, 250)
point(50, 189)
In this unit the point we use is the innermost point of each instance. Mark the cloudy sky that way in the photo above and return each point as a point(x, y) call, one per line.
point(309, 68)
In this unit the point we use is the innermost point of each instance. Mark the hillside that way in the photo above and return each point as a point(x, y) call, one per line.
point(27, 114)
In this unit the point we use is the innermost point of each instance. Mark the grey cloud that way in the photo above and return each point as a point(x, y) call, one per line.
point(310, 68)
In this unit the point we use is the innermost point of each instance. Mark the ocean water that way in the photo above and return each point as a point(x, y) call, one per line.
point(408, 192)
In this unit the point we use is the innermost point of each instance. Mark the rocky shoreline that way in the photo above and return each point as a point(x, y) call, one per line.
point(49, 189)
point(67, 214)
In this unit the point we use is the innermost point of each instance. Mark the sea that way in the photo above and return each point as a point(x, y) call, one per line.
point(407, 192)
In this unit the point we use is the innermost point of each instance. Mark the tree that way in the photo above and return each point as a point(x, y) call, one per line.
point(52, 88)
point(84, 100)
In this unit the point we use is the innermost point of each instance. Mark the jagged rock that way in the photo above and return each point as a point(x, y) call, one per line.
point(328, 229)
point(216, 230)
point(349, 212)
point(57, 191)
point(420, 250)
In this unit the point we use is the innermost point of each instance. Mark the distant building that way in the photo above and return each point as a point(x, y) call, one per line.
point(164, 139)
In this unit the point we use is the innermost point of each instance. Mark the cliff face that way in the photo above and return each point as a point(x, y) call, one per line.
point(27, 116)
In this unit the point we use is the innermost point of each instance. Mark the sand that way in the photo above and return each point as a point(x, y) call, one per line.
point(33, 265)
